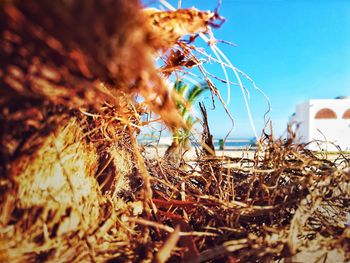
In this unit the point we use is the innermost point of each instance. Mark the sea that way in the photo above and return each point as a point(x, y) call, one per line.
point(234, 143)
point(230, 143)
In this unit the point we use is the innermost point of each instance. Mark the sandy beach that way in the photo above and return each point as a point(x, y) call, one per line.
point(158, 152)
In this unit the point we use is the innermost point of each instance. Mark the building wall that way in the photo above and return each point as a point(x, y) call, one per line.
point(329, 131)
point(334, 131)
point(301, 122)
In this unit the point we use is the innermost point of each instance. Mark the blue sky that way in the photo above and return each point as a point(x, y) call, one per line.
point(293, 49)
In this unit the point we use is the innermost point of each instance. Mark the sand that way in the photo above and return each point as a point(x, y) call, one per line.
point(158, 152)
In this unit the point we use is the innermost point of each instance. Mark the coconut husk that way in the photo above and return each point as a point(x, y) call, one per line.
point(62, 185)
point(79, 54)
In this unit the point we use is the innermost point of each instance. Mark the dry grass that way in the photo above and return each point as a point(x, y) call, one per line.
point(284, 201)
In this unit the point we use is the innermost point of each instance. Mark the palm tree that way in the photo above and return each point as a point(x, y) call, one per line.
point(181, 136)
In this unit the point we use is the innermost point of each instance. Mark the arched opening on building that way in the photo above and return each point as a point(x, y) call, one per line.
point(325, 114)
point(346, 114)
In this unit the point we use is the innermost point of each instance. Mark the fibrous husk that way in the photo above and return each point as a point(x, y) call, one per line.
point(61, 171)
point(58, 203)
point(169, 26)
point(79, 53)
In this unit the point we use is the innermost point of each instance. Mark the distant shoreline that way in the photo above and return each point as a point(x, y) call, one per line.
point(229, 144)
point(234, 152)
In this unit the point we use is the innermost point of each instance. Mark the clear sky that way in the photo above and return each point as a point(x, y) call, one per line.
point(293, 49)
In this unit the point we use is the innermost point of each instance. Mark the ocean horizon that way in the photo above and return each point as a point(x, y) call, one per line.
point(241, 142)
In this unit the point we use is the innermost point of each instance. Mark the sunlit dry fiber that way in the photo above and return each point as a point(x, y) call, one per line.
point(106, 42)
point(270, 207)
point(59, 201)
point(79, 54)
point(169, 26)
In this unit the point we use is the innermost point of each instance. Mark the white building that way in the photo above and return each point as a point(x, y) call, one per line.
point(327, 122)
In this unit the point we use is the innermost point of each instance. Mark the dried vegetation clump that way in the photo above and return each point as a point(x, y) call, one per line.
point(74, 184)
point(286, 202)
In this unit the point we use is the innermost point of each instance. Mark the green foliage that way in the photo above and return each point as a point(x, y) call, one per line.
point(189, 95)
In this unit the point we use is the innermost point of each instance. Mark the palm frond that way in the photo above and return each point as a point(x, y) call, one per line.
point(180, 87)
point(195, 92)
